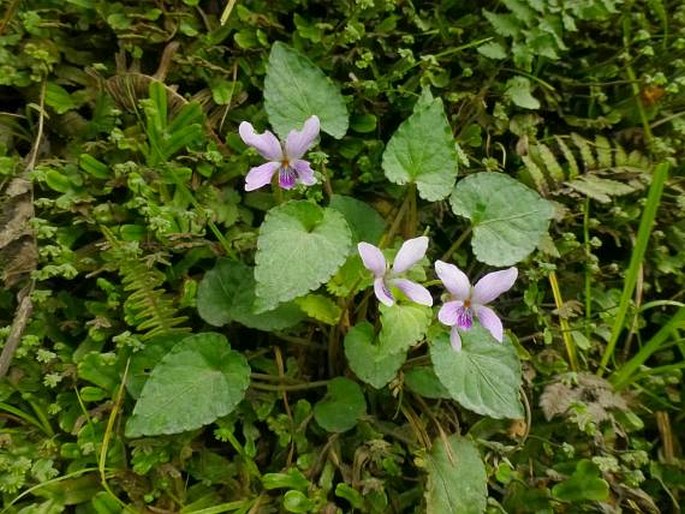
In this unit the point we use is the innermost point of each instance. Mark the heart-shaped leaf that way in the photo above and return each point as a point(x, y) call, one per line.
point(484, 376)
point(586, 484)
point(295, 89)
point(300, 246)
point(423, 380)
point(227, 293)
point(340, 409)
point(369, 360)
point(422, 151)
point(198, 380)
point(508, 218)
point(457, 482)
point(403, 325)
point(364, 221)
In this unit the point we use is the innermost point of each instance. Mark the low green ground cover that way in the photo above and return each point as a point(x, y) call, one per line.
point(364, 256)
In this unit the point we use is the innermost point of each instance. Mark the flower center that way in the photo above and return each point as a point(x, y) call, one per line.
point(287, 176)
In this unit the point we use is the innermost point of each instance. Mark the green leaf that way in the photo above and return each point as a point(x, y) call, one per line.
point(484, 376)
point(518, 89)
point(93, 167)
point(403, 325)
point(320, 307)
point(57, 181)
point(364, 123)
point(364, 221)
point(145, 360)
point(300, 246)
point(457, 482)
point(298, 502)
point(423, 381)
point(508, 218)
point(227, 293)
point(493, 50)
point(295, 89)
point(198, 381)
point(422, 152)
point(369, 361)
point(340, 409)
point(585, 484)
point(100, 369)
point(351, 277)
point(600, 189)
point(58, 98)
point(504, 24)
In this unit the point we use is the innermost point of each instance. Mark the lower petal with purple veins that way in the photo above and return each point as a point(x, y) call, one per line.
point(287, 177)
point(383, 292)
point(464, 318)
point(448, 312)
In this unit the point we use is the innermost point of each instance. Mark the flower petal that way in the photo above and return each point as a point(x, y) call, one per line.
point(455, 339)
point(411, 252)
point(449, 312)
point(260, 176)
point(305, 174)
point(415, 292)
point(287, 177)
point(299, 141)
point(493, 284)
point(490, 322)
point(372, 258)
point(266, 144)
point(382, 292)
point(455, 280)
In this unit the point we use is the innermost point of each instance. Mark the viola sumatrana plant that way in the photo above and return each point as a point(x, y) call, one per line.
point(467, 301)
point(178, 337)
point(411, 252)
point(286, 160)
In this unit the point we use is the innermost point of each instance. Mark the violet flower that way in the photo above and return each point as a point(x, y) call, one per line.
point(286, 159)
point(411, 252)
point(468, 301)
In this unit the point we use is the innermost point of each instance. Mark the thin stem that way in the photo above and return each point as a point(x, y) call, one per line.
point(327, 186)
point(630, 281)
point(563, 322)
point(588, 267)
point(387, 237)
point(456, 244)
point(109, 429)
point(661, 369)
point(290, 387)
point(622, 376)
point(413, 216)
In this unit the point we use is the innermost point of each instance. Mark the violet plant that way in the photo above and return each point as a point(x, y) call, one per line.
point(283, 158)
point(411, 252)
point(467, 301)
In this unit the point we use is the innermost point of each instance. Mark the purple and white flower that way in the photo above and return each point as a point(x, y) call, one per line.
point(411, 252)
point(467, 301)
point(286, 159)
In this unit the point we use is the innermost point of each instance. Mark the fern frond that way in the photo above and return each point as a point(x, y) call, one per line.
point(148, 307)
point(573, 169)
point(599, 170)
point(585, 151)
point(605, 158)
